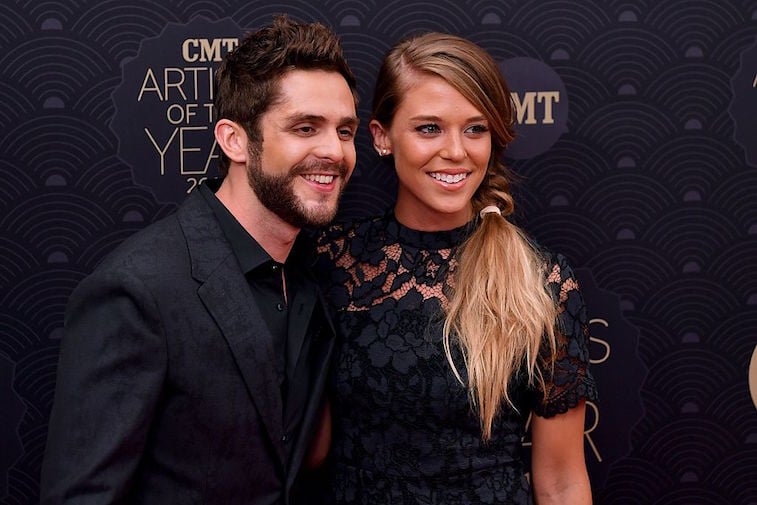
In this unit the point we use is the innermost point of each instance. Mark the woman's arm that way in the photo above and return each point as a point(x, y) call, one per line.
point(558, 465)
point(319, 446)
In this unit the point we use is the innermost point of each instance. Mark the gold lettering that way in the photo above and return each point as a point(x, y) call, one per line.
point(149, 76)
point(167, 84)
point(170, 116)
point(212, 155)
point(188, 57)
point(548, 97)
point(600, 341)
point(210, 50)
point(230, 44)
point(206, 50)
point(163, 152)
point(188, 82)
point(183, 150)
point(209, 107)
point(177, 113)
point(587, 432)
point(525, 107)
point(195, 83)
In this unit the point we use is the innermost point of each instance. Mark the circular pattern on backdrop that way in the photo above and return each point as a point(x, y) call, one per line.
point(744, 104)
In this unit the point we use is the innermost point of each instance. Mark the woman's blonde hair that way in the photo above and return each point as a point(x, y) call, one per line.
point(500, 311)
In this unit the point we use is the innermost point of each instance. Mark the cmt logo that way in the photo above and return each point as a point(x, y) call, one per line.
point(204, 50)
point(541, 106)
point(526, 106)
point(164, 106)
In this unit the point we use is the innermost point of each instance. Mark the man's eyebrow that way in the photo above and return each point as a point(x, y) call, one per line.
point(311, 118)
point(316, 118)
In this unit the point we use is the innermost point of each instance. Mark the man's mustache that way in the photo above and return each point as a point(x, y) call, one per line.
point(319, 167)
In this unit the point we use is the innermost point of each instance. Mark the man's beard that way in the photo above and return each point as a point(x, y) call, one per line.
point(276, 192)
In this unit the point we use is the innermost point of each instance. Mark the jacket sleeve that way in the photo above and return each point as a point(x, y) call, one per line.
point(112, 366)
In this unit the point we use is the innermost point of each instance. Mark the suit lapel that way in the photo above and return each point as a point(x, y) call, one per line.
point(226, 295)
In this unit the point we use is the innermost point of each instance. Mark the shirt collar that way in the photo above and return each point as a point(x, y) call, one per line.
point(248, 252)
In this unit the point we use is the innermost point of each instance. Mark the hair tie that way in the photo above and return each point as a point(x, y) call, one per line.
point(490, 209)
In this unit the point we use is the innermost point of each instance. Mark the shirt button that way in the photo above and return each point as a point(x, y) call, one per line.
point(275, 267)
point(284, 438)
point(279, 307)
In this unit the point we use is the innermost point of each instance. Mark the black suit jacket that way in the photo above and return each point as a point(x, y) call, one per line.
point(166, 387)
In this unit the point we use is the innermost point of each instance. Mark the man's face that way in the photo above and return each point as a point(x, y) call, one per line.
point(308, 149)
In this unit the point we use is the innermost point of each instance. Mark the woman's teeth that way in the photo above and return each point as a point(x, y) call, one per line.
point(449, 179)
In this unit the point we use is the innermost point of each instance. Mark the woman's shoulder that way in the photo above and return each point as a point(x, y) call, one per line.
point(341, 235)
point(361, 228)
point(353, 226)
point(561, 279)
point(557, 265)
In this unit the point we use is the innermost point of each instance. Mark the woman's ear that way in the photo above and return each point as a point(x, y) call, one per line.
point(232, 139)
point(381, 142)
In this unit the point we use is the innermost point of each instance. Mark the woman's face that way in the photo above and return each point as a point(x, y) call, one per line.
point(441, 145)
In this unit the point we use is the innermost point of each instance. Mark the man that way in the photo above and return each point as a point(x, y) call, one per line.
point(194, 360)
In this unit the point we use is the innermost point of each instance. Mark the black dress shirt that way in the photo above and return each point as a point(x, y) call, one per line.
point(283, 312)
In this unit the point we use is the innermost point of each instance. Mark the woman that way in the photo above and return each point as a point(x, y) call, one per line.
point(455, 326)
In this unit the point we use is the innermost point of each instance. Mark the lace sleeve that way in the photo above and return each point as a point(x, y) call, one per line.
point(570, 381)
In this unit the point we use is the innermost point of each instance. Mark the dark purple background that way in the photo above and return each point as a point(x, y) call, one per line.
point(648, 189)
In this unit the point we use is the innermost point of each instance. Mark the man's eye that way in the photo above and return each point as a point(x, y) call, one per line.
point(305, 129)
point(346, 133)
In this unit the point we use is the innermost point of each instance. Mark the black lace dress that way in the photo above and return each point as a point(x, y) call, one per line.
point(403, 428)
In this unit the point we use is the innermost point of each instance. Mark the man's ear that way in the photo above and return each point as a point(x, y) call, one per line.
point(232, 139)
point(381, 141)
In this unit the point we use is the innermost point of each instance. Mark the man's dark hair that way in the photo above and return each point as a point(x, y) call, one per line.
point(247, 79)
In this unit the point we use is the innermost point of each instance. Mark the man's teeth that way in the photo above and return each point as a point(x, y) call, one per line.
point(320, 179)
point(449, 179)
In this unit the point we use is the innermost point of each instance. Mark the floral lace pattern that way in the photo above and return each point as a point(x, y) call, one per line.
point(403, 428)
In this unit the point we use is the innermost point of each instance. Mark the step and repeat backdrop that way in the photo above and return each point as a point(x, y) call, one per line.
point(637, 151)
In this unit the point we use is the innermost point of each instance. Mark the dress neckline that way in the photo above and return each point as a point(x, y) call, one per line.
point(441, 239)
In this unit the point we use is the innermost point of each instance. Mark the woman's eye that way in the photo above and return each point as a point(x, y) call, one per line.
point(477, 129)
point(428, 128)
